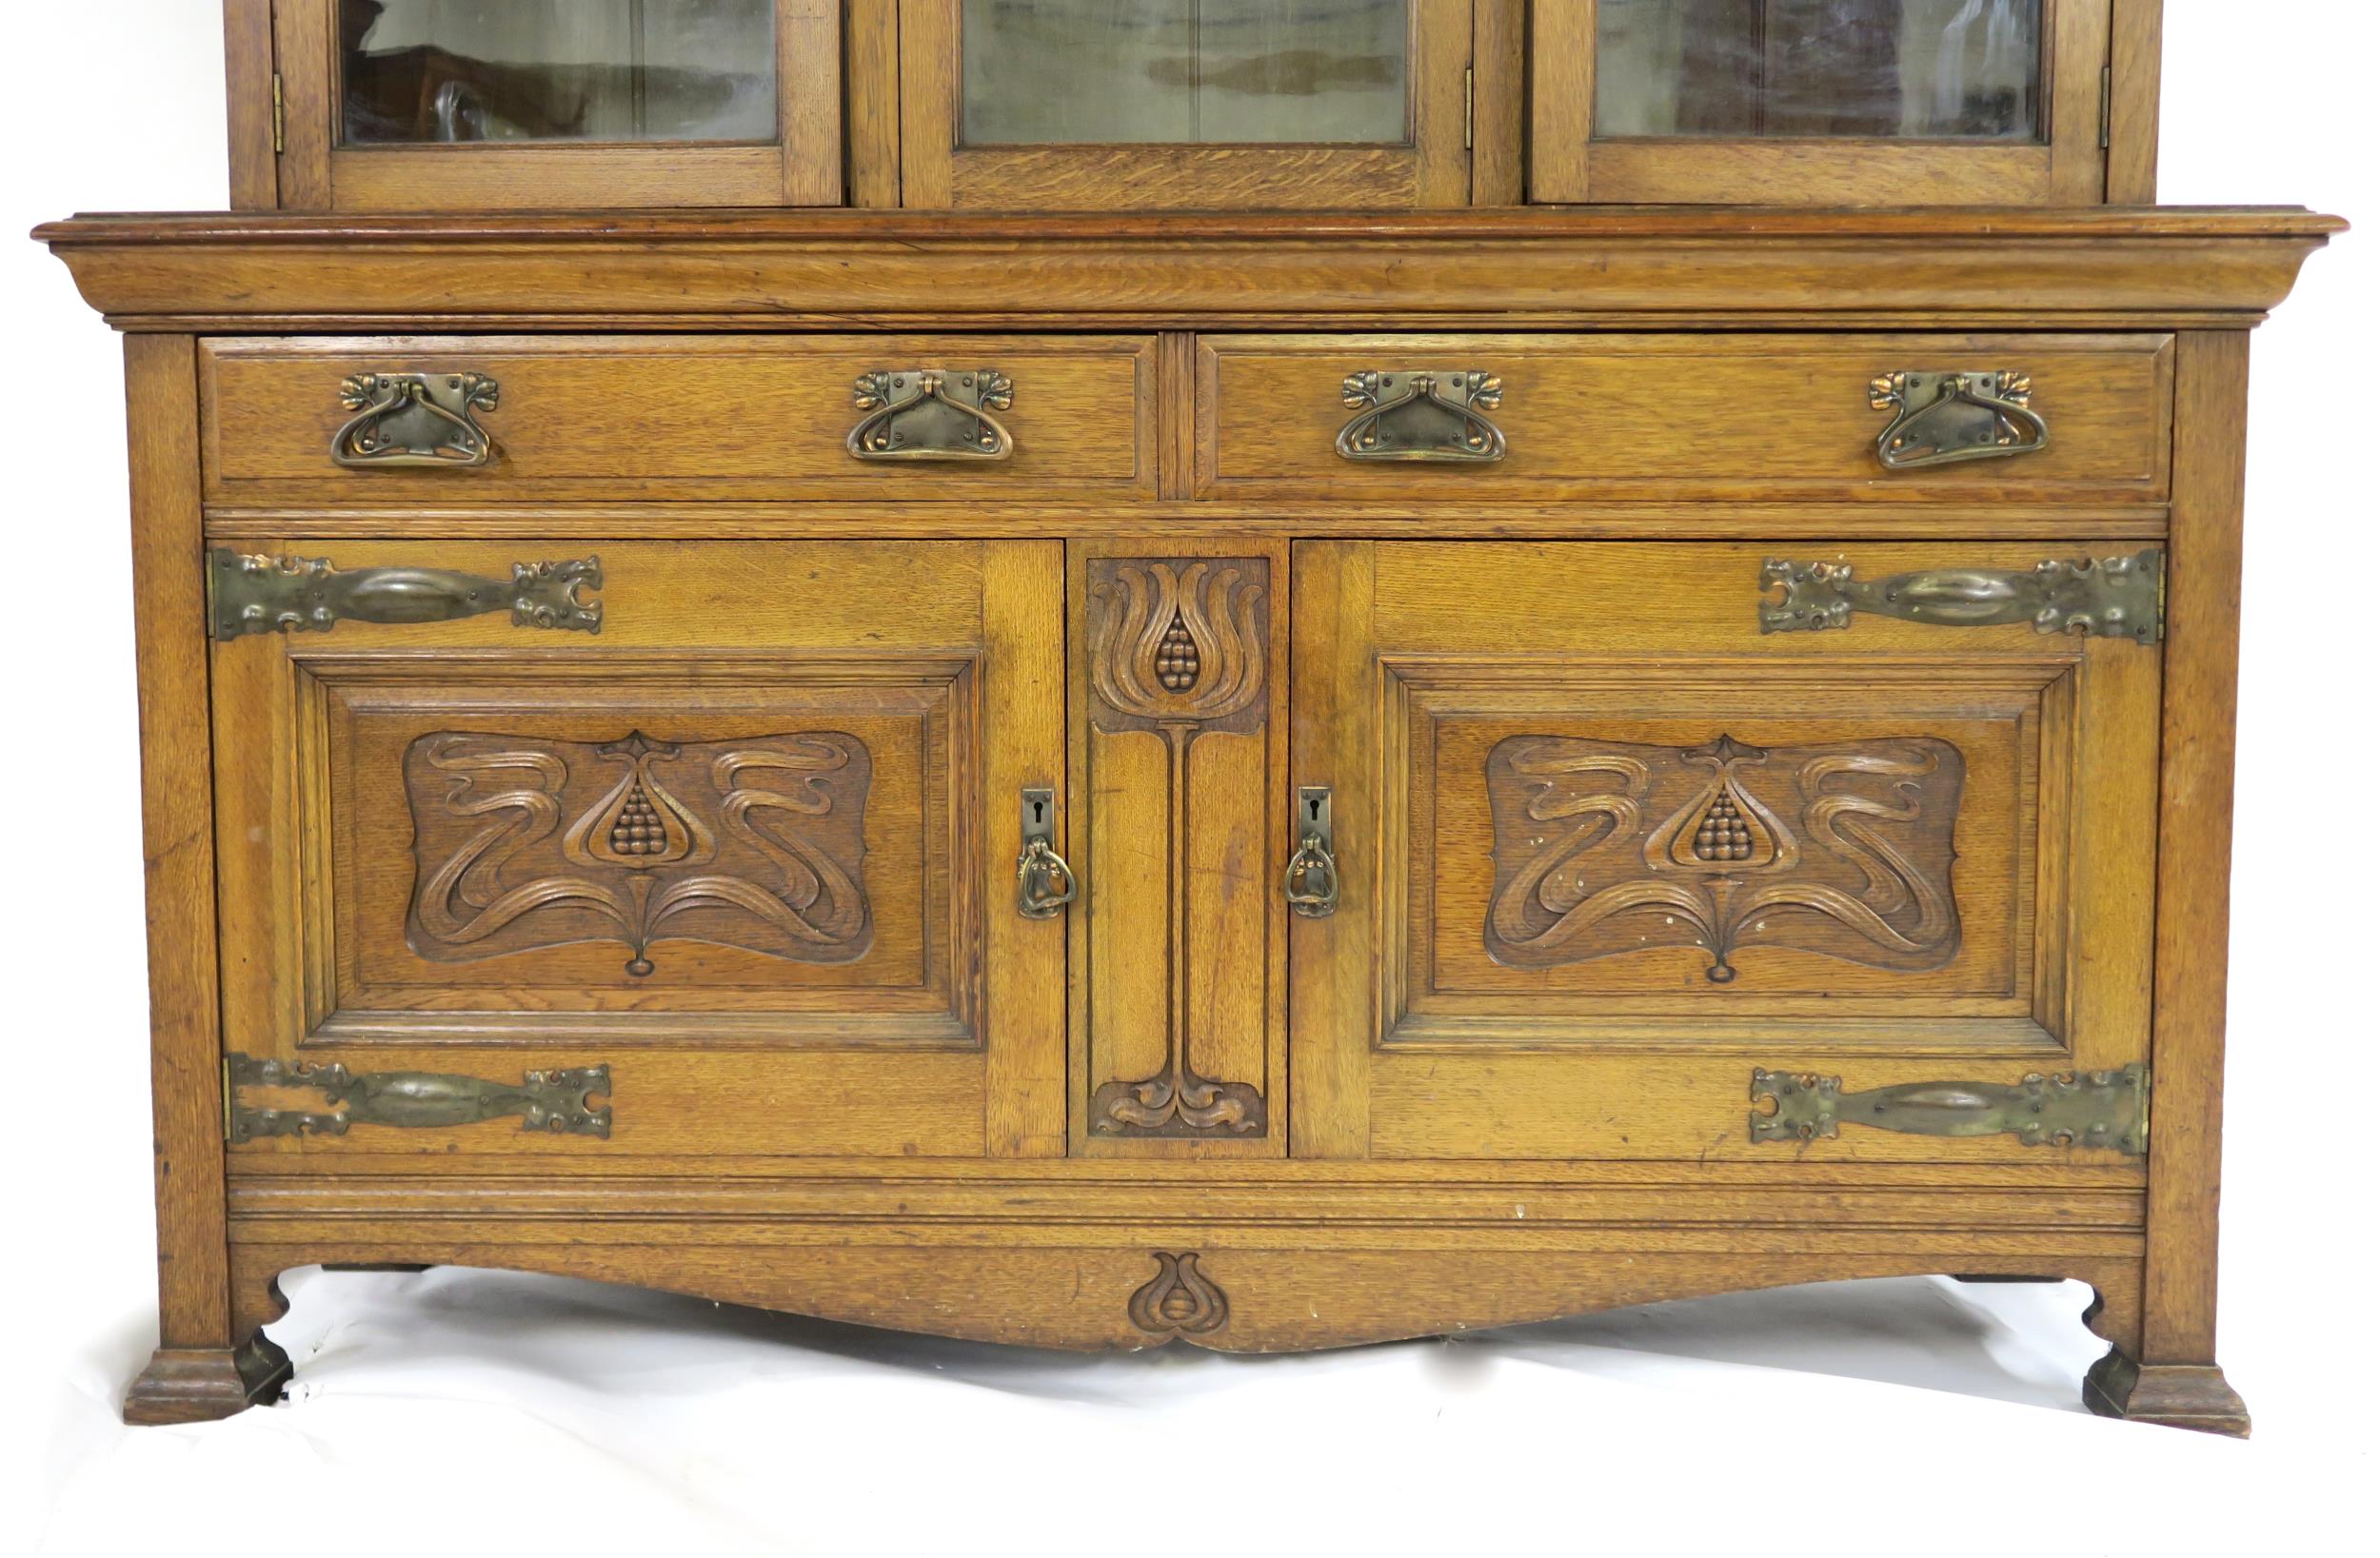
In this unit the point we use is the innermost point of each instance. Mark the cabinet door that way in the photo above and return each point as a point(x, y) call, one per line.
point(1818, 102)
point(738, 821)
point(1068, 105)
point(419, 105)
point(1607, 848)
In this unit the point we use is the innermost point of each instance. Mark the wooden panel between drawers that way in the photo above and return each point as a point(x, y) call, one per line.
point(1655, 417)
point(632, 418)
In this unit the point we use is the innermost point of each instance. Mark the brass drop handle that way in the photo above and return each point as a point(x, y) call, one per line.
point(1046, 883)
point(931, 414)
point(1944, 418)
point(1311, 881)
point(1423, 414)
point(425, 419)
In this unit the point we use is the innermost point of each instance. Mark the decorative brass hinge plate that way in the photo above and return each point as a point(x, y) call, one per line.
point(2106, 1109)
point(250, 593)
point(2116, 597)
point(280, 119)
point(553, 1101)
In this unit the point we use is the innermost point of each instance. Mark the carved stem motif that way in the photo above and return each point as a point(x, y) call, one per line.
point(521, 843)
point(1605, 848)
point(1178, 648)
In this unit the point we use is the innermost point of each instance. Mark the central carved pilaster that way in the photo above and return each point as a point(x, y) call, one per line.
point(1178, 654)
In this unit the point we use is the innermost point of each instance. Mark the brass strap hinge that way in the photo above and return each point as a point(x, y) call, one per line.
point(1466, 107)
point(2101, 1109)
point(557, 1102)
point(280, 119)
point(2107, 107)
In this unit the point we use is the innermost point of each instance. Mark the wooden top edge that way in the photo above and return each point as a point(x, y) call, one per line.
point(936, 229)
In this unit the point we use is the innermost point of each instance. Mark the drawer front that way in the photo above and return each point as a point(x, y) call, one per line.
point(631, 418)
point(1630, 848)
point(1757, 419)
point(753, 869)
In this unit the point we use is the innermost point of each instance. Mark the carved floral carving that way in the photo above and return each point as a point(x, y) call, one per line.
point(1180, 1301)
point(1178, 647)
point(521, 843)
point(1604, 848)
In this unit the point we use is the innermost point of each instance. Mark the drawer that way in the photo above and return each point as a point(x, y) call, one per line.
point(752, 871)
point(626, 418)
point(1754, 419)
point(1630, 852)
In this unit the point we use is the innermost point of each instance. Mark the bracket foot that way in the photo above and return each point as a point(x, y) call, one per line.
point(2178, 1395)
point(201, 1384)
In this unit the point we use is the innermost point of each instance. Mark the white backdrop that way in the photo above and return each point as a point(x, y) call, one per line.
point(488, 1412)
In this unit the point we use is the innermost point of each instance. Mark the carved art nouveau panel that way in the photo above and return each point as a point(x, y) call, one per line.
point(1180, 742)
point(1575, 834)
point(780, 853)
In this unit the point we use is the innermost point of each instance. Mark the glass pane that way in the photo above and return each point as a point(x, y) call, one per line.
point(1966, 69)
point(559, 69)
point(1184, 72)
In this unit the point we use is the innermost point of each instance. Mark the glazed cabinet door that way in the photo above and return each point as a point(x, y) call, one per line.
point(1819, 101)
point(430, 105)
point(1064, 104)
point(732, 827)
point(1724, 852)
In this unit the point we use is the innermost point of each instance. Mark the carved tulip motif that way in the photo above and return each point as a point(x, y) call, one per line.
point(1178, 647)
point(754, 843)
point(1178, 642)
point(1180, 1301)
point(1608, 848)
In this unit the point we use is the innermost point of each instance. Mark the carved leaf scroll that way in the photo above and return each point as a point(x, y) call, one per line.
point(1604, 848)
point(521, 843)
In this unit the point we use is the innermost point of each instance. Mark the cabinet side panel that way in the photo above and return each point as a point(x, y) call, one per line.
point(2194, 846)
point(2134, 55)
point(161, 402)
point(247, 97)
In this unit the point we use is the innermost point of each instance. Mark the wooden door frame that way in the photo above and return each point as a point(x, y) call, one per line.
point(804, 166)
point(937, 172)
point(2066, 168)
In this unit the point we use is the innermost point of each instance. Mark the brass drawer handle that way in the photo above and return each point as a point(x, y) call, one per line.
point(1945, 418)
point(1423, 414)
point(1044, 883)
point(251, 593)
point(554, 1101)
point(1311, 882)
point(2116, 597)
point(415, 418)
point(2072, 1109)
point(931, 414)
